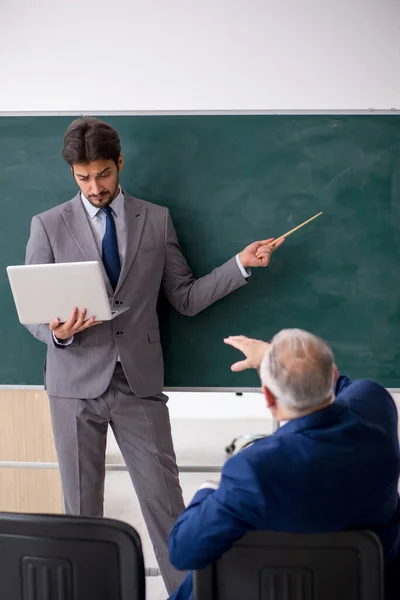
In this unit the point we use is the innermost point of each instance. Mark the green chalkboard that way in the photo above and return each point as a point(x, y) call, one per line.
point(229, 180)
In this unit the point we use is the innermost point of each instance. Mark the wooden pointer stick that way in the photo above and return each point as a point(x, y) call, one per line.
point(295, 229)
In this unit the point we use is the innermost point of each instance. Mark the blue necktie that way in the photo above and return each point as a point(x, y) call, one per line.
point(111, 260)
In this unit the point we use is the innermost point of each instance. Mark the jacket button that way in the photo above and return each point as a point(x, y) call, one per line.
point(117, 302)
point(118, 332)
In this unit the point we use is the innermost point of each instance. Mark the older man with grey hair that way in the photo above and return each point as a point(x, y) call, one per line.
point(332, 465)
point(297, 371)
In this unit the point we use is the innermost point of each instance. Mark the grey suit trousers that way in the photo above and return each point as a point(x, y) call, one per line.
point(143, 432)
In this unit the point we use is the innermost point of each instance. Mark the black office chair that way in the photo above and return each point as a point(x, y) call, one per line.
point(55, 557)
point(281, 566)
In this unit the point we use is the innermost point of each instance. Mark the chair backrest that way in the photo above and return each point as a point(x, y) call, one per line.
point(284, 566)
point(54, 557)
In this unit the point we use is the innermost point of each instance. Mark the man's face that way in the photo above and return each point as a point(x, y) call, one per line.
point(98, 180)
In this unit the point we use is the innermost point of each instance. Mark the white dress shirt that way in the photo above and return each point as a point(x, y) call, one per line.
point(245, 272)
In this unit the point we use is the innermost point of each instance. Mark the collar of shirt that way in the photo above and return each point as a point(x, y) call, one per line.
point(117, 205)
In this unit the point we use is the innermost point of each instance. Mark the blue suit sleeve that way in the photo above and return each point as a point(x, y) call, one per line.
point(215, 520)
point(370, 400)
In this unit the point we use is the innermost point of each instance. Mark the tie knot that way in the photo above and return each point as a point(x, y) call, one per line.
point(107, 210)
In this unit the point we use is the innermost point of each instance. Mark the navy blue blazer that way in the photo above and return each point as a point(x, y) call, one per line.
point(332, 470)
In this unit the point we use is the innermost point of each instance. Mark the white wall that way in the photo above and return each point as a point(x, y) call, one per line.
point(225, 406)
point(103, 56)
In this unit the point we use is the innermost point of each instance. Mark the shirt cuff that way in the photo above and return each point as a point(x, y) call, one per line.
point(66, 342)
point(209, 485)
point(245, 272)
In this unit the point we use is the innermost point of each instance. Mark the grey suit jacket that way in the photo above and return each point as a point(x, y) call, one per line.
point(153, 259)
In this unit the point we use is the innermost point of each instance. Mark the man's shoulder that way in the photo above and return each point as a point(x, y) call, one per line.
point(370, 400)
point(55, 212)
point(151, 207)
point(366, 390)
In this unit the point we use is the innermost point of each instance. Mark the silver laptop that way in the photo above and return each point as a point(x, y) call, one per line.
point(46, 292)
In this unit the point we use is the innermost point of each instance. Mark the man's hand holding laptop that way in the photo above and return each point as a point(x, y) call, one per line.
point(75, 324)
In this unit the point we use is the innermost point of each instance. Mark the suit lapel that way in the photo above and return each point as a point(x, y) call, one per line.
point(135, 214)
point(77, 222)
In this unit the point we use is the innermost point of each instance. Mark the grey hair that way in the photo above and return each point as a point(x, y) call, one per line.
point(299, 370)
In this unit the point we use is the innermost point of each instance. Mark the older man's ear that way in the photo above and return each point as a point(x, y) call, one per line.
point(269, 397)
point(335, 375)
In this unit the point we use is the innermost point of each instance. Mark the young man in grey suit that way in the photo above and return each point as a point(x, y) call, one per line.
point(112, 373)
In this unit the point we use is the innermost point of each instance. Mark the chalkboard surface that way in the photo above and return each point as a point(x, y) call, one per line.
point(229, 180)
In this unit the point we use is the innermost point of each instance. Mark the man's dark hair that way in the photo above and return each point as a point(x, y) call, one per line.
point(88, 139)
